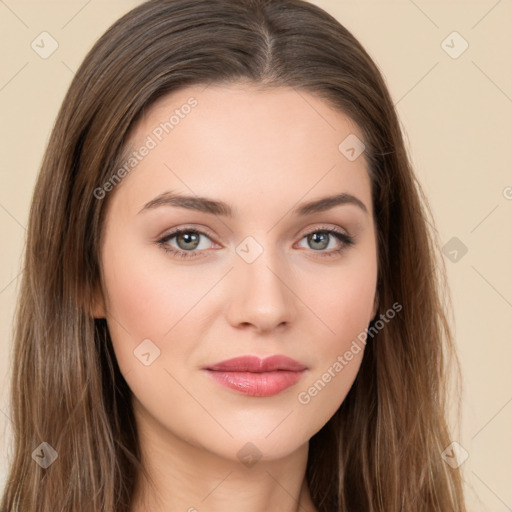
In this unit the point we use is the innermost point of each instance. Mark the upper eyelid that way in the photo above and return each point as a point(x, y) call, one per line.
point(174, 232)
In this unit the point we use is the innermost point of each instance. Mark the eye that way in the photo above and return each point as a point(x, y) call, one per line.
point(187, 240)
point(321, 239)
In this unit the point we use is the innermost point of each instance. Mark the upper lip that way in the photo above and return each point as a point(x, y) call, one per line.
point(257, 365)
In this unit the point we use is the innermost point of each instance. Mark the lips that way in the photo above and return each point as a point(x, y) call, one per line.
point(253, 376)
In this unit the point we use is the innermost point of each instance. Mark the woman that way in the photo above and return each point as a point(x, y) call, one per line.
point(230, 296)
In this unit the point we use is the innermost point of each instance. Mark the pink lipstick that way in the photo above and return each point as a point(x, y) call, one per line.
point(253, 376)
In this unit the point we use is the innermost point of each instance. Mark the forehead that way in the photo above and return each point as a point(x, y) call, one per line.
point(245, 145)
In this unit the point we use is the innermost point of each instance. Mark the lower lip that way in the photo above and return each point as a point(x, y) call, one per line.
point(257, 384)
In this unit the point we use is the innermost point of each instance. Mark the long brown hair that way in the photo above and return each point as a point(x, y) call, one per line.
point(381, 451)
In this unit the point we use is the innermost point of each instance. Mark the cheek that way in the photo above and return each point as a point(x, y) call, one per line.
point(146, 299)
point(338, 358)
point(342, 296)
point(343, 301)
point(347, 305)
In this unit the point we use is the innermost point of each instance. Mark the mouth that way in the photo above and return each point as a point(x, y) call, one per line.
point(253, 376)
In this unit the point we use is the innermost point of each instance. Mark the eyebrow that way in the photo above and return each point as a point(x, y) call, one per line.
point(211, 206)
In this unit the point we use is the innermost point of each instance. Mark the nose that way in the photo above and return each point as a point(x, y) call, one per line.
point(261, 297)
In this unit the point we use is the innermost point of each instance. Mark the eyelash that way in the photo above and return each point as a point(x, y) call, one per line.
point(342, 237)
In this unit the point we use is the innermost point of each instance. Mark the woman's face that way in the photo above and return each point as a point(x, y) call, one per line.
point(264, 279)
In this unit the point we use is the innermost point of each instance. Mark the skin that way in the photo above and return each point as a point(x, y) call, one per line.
point(263, 153)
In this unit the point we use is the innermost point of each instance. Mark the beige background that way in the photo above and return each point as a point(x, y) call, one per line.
point(457, 118)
